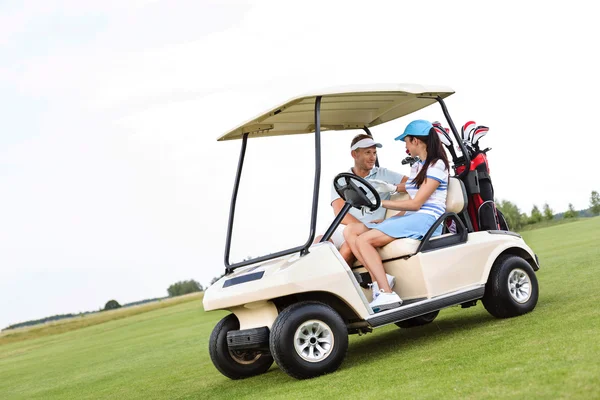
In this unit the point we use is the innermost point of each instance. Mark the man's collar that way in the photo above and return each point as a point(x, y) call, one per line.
point(373, 171)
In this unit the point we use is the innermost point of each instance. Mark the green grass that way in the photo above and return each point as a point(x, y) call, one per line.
point(547, 224)
point(553, 352)
point(78, 322)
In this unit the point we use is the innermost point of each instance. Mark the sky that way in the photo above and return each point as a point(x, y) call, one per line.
point(112, 183)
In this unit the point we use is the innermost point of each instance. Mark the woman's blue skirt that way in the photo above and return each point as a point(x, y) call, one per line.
point(413, 226)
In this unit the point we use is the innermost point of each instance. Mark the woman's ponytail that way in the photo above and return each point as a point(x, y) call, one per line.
point(435, 152)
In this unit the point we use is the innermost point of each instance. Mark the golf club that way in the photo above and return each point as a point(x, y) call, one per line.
point(465, 130)
point(478, 133)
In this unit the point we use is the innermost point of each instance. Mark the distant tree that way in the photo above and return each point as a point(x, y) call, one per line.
point(570, 213)
point(595, 203)
point(536, 215)
point(511, 213)
point(112, 305)
point(548, 213)
point(184, 287)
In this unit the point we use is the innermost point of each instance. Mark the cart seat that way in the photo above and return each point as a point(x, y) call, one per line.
point(456, 201)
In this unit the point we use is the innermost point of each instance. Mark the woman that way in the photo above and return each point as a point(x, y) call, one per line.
point(427, 186)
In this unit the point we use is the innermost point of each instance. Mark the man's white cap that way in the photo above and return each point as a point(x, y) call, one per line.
point(365, 143)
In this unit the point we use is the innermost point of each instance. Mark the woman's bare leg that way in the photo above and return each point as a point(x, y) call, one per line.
point(367, 244)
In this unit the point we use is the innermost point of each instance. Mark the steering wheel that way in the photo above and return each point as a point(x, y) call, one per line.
point(354, 194)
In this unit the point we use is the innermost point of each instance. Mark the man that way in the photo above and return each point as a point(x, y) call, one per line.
point(363, 150)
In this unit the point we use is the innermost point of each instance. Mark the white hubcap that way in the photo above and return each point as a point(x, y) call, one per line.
point(313, 340)
point(519, 285)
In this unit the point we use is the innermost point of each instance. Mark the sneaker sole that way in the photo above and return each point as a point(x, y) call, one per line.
point(385, 307)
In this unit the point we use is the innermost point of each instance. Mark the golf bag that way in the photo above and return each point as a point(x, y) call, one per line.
point(481, 208)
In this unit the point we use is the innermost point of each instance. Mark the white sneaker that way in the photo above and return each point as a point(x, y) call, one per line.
point(385, 301)
point(375, 286)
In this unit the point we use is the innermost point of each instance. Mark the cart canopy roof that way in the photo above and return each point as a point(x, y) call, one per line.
point(343, 107)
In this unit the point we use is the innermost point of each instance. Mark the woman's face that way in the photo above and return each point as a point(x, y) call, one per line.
point(411, 145)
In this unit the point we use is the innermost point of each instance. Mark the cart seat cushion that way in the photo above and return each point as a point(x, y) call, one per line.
point(400, 248)
point(456, 198)
point(396, 249)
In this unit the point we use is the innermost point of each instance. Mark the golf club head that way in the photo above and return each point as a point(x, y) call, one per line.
point(444, 138)
point(470, 135)
point(478, 133)
point(410, 160)
point(443, 133)
point(466, 128)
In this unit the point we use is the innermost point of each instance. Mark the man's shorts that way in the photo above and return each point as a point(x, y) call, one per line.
point(338, 236)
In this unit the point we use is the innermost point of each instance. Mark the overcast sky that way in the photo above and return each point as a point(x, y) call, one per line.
point(112, 184)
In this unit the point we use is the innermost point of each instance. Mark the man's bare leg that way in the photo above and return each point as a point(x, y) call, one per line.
point(346, 252)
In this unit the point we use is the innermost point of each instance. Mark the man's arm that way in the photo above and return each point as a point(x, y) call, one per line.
point(394, 178)
point(337, 205)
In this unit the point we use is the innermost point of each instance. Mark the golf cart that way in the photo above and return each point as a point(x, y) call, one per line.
point(297, 306)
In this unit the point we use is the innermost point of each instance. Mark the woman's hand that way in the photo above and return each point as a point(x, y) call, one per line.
point(426, 190)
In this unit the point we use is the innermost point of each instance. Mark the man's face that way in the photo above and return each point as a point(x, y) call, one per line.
point(365, 158)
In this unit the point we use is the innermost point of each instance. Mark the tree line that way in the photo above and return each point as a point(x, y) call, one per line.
point(517, 219)
point(110, 305)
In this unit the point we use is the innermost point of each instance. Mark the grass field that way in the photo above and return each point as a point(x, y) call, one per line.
point(553, 352)
point(547, 224)
point(70, 324)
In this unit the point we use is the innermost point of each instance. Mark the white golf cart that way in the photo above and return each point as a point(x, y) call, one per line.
point(298, 306)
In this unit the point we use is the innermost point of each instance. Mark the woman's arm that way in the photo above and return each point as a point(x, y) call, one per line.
point(401, 187)
point(424, 192)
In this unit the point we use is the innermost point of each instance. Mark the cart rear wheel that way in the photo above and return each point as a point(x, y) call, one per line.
point(418, 321)
point(511, 289)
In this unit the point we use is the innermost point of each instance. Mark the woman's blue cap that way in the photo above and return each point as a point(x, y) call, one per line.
point(418, 127)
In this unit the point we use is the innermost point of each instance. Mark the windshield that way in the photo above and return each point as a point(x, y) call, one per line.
point(274, 201)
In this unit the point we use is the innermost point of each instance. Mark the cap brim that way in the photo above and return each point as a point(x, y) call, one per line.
point(378, 145)
point(365, 144)
point(401, 137)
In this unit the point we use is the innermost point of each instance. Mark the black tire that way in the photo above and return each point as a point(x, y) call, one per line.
point(235, 365)
point(498, 299)
point(282, 340)
point(418, 321)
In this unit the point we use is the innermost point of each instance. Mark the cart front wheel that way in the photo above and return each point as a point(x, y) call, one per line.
point(308, 339)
